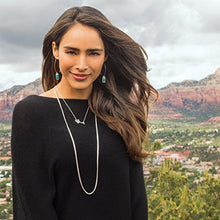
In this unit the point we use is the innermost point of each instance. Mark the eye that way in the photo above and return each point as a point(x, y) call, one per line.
point(94, 54)
point(71, 52)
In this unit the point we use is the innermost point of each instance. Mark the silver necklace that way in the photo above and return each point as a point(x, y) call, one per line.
point(75, 118)
point(75, 151)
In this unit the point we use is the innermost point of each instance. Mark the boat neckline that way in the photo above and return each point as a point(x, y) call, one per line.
point(54, 98)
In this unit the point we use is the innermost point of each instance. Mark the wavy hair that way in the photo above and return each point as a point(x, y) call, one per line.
point(123, 101)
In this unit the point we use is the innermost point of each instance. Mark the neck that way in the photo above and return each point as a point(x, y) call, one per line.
point(70, 93)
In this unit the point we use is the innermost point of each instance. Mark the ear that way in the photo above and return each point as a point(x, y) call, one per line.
point(55, 50)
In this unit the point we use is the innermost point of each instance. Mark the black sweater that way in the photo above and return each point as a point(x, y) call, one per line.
point(45, 180)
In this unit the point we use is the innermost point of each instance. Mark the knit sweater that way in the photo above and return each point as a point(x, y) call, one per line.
point(45, 180)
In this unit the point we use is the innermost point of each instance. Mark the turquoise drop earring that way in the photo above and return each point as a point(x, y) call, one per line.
point(57, 76)
point(104, 77)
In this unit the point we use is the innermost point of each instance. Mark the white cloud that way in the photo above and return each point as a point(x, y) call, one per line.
point(10, 78)
point(181, 62)
point(181, 37)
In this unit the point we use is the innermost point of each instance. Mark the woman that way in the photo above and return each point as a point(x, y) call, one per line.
point(77, 147)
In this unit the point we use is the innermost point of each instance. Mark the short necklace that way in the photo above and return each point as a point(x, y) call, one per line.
point(74, 147)
point(76, 119)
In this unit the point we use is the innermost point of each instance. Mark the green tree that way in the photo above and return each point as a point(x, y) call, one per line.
point(171, 196)
point(156, 146)
point(2, 162)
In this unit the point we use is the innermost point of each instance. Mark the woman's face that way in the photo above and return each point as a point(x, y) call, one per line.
point(81, 55)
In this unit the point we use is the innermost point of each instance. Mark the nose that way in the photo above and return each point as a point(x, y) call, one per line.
point(81, 65)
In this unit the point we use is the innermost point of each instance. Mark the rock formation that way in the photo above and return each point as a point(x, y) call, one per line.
point(176, 101)
point(9, 97)
point(189, 96)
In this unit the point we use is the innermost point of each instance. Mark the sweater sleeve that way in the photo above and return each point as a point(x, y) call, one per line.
point(32, 179)
point(138, 192)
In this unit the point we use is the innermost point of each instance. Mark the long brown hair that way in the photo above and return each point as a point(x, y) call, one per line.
point(123, 101)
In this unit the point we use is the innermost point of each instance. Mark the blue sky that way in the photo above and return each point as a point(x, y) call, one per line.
point(181, 37)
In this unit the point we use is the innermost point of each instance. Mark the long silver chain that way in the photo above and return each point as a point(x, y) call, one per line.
point(75, 151)
point(76, 119)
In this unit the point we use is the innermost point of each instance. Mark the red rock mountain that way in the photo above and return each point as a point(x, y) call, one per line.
point(188, 99)
point(9, 97)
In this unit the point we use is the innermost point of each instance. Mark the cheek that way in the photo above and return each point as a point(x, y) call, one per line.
point(97, 65)
point(64, 63)
point(99, 68)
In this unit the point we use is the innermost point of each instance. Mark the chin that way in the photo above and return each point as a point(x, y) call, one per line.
point(81, 87)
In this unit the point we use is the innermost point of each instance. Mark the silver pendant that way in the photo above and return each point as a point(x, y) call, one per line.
point(79, 122)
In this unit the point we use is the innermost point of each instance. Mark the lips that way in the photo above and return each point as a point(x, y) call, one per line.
point(80, 77)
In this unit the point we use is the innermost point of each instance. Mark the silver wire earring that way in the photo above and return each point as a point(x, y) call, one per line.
point(104, 77)
point(57, 76)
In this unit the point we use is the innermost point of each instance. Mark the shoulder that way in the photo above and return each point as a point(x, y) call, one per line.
point(33, 110)
point(32, 107)
point(24, 113)
point(26, 104)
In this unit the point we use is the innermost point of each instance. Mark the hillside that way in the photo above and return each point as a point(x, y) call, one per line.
point(9, 97)
point(189, 99)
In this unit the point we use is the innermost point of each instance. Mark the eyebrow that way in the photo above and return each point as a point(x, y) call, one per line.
point(88, 50)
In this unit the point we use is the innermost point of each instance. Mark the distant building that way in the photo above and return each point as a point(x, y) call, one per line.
point(174, 156)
